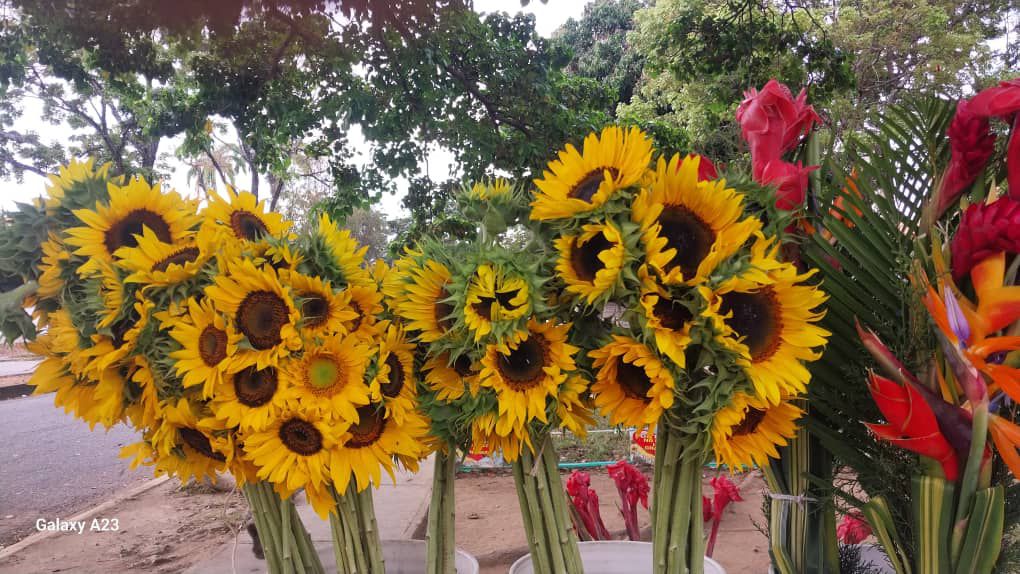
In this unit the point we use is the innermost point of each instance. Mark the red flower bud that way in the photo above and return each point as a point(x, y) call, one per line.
point(985, 229)
point(791, 181)
point(972, 144)
point(853, 529)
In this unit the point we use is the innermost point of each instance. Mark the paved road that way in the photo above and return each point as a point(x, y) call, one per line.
point(52, 466)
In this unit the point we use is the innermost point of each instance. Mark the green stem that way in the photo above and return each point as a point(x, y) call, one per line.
point(680, 521)
point(370, 531)
point(533, 526)
point(969, 483)
point(663, 498)
point(547, 513)
point(567, 535)
point(439, 539)
point(267, 497)
point(348, 521)
point(258, 512)
point(287, 539)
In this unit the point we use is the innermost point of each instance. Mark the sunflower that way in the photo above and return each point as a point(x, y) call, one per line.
point(208, 346)
point(261, 309)
point(590, 262)
point(294, 450)
point(573, 414)
point(700, 221)
point(527, 372)
point(493, 297)
point(343, 258)
point(144, 411)
point(250, 398)
point(579, 182)
point(369, 446)
point(243, 216)
point(132, 208)
point(484, 438)
point(748, 430)
point(109, 287)
point(366, 302)
point(182, 444)
point(63, 339)
point(324, 312)
point(75, 172)
point(633, 387)
point(52, 266)
point(449, 380)
point(153, 262)
point(769, 321)
point(394, 380)
point(425, 305)
point(670, 319)
point(113, 346)
point(329, 378)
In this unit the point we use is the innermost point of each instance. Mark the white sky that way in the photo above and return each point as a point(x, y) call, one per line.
point(548, 17)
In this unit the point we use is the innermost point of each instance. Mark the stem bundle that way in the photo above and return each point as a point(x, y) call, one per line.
point(439, 539)
point(678, 539)
point(356, 544)
point(287, 546)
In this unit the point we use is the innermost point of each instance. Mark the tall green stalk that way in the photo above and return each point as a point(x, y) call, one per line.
point(439, 539)
point(678, 537)
point(356, 544)
point(551, 536)
point(285, 542)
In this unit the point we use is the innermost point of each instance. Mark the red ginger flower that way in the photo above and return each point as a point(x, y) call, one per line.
point(633, 488)
point(911, 423)
point(725, 492)
point(706, 169)
point(972, 144)
point(985, 229)
point(1003, 101)
point(586, 501)
point(853, 529)
point(791, 181)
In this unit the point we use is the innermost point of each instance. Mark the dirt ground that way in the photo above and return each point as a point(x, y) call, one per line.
point(164, 530)
point(17, 351)
point(489, 524)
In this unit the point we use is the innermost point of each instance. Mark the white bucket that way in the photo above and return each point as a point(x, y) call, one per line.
point(612, 557)
point(403, 557)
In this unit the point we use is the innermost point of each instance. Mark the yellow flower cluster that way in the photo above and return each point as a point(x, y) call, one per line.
point(689, 290)
point(228, 342)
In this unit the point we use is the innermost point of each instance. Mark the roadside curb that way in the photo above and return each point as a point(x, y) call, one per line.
point(110, 503)
point(15, 391)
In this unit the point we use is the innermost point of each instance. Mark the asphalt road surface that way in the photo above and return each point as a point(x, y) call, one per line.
point(52, 466)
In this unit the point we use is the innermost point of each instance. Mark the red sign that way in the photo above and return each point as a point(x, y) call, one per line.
point(642, 442)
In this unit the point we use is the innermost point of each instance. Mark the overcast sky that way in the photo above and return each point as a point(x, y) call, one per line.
point(548, 17)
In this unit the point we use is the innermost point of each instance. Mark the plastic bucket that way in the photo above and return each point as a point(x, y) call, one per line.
point(403, 557)
point(612, 557)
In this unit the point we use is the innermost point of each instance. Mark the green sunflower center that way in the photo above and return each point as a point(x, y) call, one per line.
point(212, 345)
point(633, 381)
point(301, 437)
point(247, 225)
point(443, 311)
point(689, 234)
point(395, 382)
point(589, 184)
point(752, 418)
point(324, 373)
point(671, 313)
point(584, 258)
point(200, 443)
point(371, 424)
point(260, 316)
point(756, 318)
point(314, 309)
point(179, 257)
point(122, 233)
point(254, 387)
point(523, 368)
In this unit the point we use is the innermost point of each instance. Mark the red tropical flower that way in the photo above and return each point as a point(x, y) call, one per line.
point(586, 503)
point(633, 488)
point(1003, 101)
point(791, 181)
point(911, 423)
point(725, 492)
point(853, 529)
point(985, 229)
point(972, 144)
point(773, 122)
point(706, 169)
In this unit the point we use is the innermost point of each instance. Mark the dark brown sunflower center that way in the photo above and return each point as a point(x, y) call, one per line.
point(301, 437)
point(589, 185)
point(247, 225)
point(503, 298)
point(523, 368)
point(634, 381)
point(371, 424)
point(463, 366)
point(254, 387)
point(752, 418)
point(119, 330)
point(690, 235)
point(212, 345)
point(179, 257)
point(123, 232)
point(198, 441)
point(443, 311)
point(672, 313)
point(314, 309)
point(260, 316)
point(584, 259)
point(396, 379)
point(756, 318)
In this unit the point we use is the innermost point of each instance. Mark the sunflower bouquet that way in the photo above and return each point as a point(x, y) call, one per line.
point(229, 343)
point(687, 318)
point(499, 366)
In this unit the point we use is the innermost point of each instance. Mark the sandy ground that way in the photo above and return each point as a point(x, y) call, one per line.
point(489, 523)
point(18, 351)
point(161, 531)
